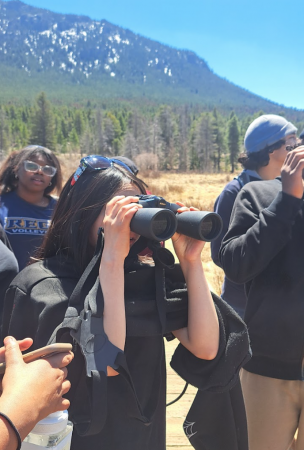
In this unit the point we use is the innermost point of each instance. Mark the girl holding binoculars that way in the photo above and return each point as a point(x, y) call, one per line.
point(102, 194)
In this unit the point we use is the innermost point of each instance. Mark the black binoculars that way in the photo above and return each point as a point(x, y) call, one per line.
point(158, 220)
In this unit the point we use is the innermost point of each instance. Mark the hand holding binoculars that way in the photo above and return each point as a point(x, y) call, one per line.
point(158, 220)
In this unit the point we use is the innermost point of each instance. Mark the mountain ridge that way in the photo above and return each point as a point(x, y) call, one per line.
point(75, 58)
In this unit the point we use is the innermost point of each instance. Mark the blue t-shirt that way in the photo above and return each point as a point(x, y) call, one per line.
point(25, 224)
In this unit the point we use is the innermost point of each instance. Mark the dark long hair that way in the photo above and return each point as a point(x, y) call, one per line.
point(77, 209)
point(9, 169)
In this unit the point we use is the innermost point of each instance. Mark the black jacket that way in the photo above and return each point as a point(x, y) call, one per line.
point(36, 303)
point(8, 267)
point(264, 248)
point(232, 293)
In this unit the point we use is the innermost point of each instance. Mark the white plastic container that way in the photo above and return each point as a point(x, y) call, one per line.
point(54, 433)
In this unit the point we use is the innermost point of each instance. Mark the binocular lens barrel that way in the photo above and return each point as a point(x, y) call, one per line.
point(211, 226)
point(201, 225)
point(160, 224)
point(154, 223)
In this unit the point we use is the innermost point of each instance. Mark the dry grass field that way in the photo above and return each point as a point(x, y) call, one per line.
point(199, 190)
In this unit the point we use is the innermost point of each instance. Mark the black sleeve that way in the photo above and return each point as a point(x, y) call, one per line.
point(256, 234)
point(17, 305)
point(34, 314)
point(217, 421)
point(221, 373)
point(8, 271)
point(4, 238)
point(223, 206)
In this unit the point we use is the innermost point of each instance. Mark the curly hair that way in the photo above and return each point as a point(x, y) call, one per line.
point(10, 167)
point(255, 160)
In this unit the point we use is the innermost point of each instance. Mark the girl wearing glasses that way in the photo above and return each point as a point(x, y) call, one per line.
point(88, 261)
point(27, 178)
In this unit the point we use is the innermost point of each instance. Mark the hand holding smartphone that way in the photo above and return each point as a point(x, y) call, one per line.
point(43, 352)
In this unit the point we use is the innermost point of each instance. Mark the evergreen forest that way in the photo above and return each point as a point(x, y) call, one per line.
point(181, 138)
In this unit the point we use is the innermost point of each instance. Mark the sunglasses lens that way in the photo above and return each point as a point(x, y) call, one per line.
point(120, 163)
point(97, 162)
point(30, 166)
point(49, 170)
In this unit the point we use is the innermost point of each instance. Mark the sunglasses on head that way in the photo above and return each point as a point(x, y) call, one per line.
point(95, 162)
point(31, 166)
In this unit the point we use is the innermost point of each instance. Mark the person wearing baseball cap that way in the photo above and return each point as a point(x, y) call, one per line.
point(265, 145)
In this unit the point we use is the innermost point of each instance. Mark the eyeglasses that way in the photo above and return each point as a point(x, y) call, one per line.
point(31, 166)
point(96, 162)
point(289, 148)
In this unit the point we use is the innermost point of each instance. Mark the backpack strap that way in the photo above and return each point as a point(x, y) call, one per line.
point(243, 178)
point(246, 176)
point(163, 259)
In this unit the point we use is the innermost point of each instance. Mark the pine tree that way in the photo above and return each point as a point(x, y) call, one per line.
point(218, 141)
point(86, 140)
point(233, 139)
point(183, 141)
point(79, 123)
point(60, 137)
point(168, 135)
point(73, 138)
point(42, 123)
point(3, 131)
point(203, 142)
point(122, 122)
point(99, 141)
point(64, 128)
point(109, 136)
point(116, 126)
point(155, 133)
point(24, 135)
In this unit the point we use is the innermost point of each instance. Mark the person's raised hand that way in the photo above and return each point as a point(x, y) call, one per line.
point(292, 173)
point(32, 391)
point(187, 249)
point(116, 223)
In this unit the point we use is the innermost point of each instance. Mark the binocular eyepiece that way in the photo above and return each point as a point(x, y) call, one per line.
point(158, 220)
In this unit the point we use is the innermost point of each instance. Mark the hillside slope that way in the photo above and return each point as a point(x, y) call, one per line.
point(74, 58)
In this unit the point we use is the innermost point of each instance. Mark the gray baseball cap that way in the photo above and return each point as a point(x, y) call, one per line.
point(266, 130)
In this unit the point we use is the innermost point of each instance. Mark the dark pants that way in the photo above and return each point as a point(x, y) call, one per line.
point(217, 421)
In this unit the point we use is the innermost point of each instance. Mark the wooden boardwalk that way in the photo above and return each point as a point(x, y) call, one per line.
point(176, 439)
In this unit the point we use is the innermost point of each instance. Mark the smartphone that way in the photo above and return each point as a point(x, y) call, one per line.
point(43, 352)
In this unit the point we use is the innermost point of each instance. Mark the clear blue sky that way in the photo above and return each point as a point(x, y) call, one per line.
point(256, 44)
